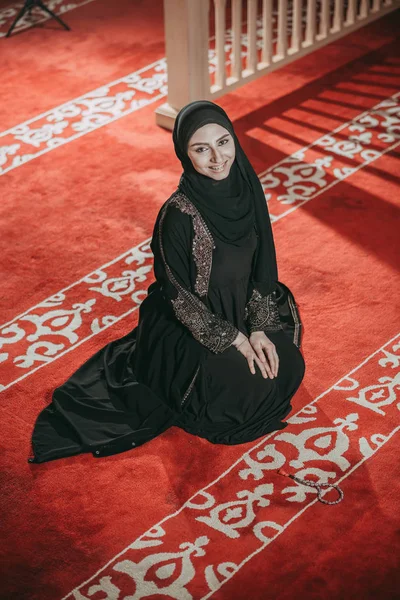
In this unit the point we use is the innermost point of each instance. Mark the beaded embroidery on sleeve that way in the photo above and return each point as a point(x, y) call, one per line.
point(209, 329)
point(262, 313)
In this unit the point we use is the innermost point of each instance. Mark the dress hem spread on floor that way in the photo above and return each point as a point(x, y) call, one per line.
point(178, 366)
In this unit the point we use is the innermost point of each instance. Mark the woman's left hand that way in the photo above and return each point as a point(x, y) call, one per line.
point(265, 351)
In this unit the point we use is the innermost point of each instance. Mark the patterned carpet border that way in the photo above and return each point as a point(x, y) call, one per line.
point(192, 552)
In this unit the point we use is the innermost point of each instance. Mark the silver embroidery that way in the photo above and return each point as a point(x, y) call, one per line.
point(214, 333)
point(262, 313)
point(209, 329)
point(296, 319)
point(203, 243)
point(191, 385)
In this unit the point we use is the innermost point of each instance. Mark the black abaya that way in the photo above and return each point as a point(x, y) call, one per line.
point(178, 366)
point(230, 405)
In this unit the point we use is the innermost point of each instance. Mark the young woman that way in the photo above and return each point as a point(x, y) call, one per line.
point(216, 350)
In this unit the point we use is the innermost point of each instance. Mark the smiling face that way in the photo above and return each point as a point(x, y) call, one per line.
point(212, 151)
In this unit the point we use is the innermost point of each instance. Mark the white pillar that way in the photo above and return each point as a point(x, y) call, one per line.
point(311, 27)
point(324, 27)
point(351, 13)
point(220, 28)
point(282, 30)
point(338, 16)
point(236, 70)
point(251, 64)
point(297, 31)
point(187, 41)
point(266, 56)
point(364, 9)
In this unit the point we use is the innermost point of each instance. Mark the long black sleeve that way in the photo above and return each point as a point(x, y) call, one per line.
point(174, 274)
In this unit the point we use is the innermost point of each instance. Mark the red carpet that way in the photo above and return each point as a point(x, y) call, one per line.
point(179, 517)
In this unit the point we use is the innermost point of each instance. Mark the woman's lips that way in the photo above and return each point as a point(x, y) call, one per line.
point(219, 168)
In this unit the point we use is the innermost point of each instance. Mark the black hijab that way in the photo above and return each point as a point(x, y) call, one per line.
point(232, 206)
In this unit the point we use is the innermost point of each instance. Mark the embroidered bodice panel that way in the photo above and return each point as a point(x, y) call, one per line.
point(203, 243)
point(211, 330)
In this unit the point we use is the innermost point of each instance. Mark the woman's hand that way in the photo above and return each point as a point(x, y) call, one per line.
point(243, 345)
point(266, 352)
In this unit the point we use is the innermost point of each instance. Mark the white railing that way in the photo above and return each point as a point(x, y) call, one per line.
point(214, 47)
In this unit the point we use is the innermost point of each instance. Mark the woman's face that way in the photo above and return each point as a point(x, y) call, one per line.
point(212, 151)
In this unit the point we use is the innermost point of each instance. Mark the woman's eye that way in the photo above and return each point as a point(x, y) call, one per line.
point(202, 149)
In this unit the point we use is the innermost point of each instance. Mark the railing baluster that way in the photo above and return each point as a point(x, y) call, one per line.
point(325, 19)
point(282, 30)
point(297, 33)
point(267, 33)
point(376, 6)
point(364, 9)
point(251, 37)
point(311, 22)
point(351, 12)
point(236, 71)
point(220, 25)
point(338, 16)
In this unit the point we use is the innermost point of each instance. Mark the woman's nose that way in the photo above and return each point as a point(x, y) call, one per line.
point(216, 155)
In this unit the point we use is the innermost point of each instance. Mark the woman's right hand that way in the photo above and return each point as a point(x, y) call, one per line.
point(243, 345)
